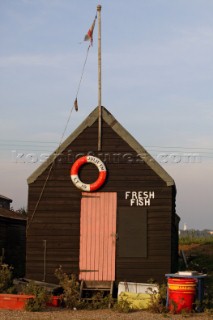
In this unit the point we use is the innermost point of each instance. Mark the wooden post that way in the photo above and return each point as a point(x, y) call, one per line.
point(45, 259)
point(99, 78)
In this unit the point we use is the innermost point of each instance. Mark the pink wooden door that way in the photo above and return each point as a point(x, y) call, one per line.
point(98, 236)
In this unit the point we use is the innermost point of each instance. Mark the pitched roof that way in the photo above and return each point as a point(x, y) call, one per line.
point(5, 213)
point(121, 131)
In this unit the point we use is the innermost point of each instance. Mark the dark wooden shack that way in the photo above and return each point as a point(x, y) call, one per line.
point(13, 240)
point(5, 202)
point(127, 230)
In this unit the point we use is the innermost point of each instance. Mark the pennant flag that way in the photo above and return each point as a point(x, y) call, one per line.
point(89, 35)
point(76, 104)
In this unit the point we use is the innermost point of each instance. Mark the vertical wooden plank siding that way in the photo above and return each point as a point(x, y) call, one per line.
point(98, 236)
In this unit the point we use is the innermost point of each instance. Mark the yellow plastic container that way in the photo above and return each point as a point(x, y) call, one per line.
point(137, 301)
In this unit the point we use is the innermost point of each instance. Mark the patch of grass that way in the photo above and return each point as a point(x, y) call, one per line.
point(195, 238)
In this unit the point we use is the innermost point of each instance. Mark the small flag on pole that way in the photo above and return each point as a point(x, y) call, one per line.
point(89, 35)
point(76, 104)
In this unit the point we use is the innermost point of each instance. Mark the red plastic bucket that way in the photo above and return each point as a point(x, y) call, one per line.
point(181, 294)
point(54, 301)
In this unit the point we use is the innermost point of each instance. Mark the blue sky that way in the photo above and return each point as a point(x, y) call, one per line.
point(157, 81)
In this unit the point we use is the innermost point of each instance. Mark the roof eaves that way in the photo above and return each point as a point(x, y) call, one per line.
point(86, 123)
point(133, 143)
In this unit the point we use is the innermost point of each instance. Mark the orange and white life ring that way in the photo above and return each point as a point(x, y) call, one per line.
point(84, 186)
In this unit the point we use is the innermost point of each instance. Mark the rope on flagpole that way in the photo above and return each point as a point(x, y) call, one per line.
point(56, 153)
point(88, 36)
point(82, 73)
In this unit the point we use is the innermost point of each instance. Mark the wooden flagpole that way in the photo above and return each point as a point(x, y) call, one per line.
point(99, 78)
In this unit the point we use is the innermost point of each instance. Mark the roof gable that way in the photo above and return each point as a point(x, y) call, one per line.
point(121, 131)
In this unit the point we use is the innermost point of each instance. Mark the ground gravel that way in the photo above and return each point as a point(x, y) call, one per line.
point(53, 314)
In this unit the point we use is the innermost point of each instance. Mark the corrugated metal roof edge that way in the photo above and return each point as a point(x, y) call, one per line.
point(121, 131)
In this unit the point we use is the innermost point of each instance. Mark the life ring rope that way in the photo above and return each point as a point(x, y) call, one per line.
point(84, 186)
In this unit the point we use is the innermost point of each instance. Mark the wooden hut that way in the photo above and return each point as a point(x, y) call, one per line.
point(13, 240)
point(5, 202)
point(123, 228)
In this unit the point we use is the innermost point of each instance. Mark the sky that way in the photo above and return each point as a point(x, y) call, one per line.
point(157, 77)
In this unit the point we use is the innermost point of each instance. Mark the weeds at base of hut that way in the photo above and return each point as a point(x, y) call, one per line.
point(123, 306)
point(157, 302)
point(6, 279)
point(41, 297)
point(70, 297)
